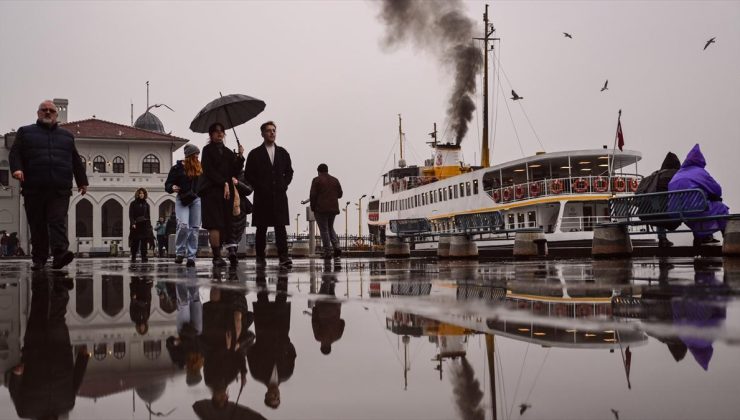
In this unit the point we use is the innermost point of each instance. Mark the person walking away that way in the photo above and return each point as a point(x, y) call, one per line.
point(326, 316)
point(3, 244)
point(694, 175)
point(44, 159)
point(239, 221)
point(183, 180)
point(269, 171)
point(140, 304)
point(221, 166)
point(658, 182)
point(161, 230)
point(325, 193)
point(141, 226)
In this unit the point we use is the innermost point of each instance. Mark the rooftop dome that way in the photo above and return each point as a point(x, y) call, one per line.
point(149, 121)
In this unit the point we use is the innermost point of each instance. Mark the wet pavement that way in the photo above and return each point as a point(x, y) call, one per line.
point(372, 339)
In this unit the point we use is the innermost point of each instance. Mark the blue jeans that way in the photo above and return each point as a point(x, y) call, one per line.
point(188, 225)
point(329, 239)
point(189, 307)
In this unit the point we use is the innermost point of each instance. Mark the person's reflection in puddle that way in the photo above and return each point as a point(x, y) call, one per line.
point(140, 304)
point(185, 349)
point(272, 357)
point(326, 316)
point(226, 338)
point(45, 383)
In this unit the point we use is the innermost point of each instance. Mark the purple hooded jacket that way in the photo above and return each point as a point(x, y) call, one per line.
point(693, 175)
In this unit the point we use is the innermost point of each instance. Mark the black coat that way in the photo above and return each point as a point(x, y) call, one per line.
point(48, 158)
point(272, 346)
point(325, 193)
point(138, 215)
point(177, 176)
point(270, 183)
point(220, 164)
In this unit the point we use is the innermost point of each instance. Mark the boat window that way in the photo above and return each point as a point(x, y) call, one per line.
point(491, 180)
point(475, 186)
point(520, 220)
point(532, 219)
point(467, 188)
point(510, 221)
point(449, 192)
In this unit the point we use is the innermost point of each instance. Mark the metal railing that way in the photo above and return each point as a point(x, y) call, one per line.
point(581, 223)
point(411, 182)
point(562, 186)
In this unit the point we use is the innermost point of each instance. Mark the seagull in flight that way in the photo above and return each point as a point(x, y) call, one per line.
point(711, 41)
point(616, 413)
point(603, 88)
point(523, 407)
point(567, 35)
point(514, 96)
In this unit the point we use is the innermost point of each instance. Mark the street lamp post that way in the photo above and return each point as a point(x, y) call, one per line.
point(296, 225)
point(359, 222)
point(346, 231)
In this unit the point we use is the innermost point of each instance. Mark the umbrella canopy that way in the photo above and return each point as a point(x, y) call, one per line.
point(207, 411)
point(230, 110)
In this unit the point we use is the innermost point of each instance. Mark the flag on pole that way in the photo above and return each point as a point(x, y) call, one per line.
point(620, 136)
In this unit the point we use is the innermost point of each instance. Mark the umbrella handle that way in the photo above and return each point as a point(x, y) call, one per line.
point(238, 144)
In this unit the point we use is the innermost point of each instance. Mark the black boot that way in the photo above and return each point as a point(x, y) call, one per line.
point(133, 254)
point(233, 259)
point(217, 260)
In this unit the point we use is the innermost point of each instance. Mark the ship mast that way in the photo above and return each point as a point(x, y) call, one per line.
point(488, 31)
point(401, 161)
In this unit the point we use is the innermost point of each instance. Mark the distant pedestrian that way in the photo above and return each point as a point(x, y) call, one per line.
point(221, 166)
point(13, 244)
point(326, 316)
point(141, 225)
point(658, 182)
point(269, 171)
point(44, 159)
point(171, 224)
point(693, 175)
point(140, 303)
point(325, 193)
point(161, 230)
point(183, 179)
point(3, 244)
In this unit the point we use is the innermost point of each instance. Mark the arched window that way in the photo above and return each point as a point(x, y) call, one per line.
point(99, 164)
point(118, 166)
point(152, 349)
point(84, 299)
point(119, 349)
point(166, 208)
point(150, 165)
point(83, 224)
point(112, 294)
point(100, 351)
point(112, 219)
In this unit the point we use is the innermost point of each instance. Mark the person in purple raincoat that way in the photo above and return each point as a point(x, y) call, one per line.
point(693, 175)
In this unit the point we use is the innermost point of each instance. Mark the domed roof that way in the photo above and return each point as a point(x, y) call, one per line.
point(151, 392)
point(149, 121)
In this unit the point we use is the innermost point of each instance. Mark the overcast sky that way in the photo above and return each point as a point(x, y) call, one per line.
point(335, 92)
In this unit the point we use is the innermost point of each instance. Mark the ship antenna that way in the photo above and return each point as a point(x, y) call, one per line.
point(488, 30)
point(401, 161)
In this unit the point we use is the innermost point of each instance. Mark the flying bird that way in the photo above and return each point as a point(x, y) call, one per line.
point(567, 35)
point(616, 413)
point(711, 41)
point(514, 96)
point(603, 88)
point(523, 407)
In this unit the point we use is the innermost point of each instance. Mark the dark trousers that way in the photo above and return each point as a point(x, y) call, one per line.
point(329, 238)
point(281, 240)
point(47, 218)
point(139, 245)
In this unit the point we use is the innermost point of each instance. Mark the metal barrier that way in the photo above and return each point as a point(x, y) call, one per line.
point(660, 205)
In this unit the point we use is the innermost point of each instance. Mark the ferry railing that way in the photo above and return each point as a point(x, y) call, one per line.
point(581, 223)
point(565, 186)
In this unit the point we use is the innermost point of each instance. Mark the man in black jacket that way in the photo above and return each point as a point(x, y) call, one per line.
point(269, 171)
point(325, 193)
point(44, 159)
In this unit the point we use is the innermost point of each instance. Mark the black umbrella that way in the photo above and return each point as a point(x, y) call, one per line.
point(229, 110)
point(207, 411)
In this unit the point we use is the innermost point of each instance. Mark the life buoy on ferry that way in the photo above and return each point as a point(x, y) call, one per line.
point(633, 184)
point(620, 185)
point(519, 192)
point(534, 189)
point(506, 194)
point(580, 185)
point(556, 186)
point(601, 184)
point(496, 195)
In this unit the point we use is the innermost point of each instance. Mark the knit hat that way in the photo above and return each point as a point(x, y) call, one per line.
point(191, 149)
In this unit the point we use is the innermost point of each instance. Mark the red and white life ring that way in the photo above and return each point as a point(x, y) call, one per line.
point(580, 185)
point(534, 189)
point(620, 185)
point(496, 195)
point(519, 192)
point(506, 194)
point(601, 184)
point(634, 184)
point(556, 186)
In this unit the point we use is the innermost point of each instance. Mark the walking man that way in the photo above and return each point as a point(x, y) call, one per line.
point(325, 193)
point(269, 171)
point(44, 159)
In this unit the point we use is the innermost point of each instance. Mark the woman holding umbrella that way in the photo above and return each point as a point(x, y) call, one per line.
point(221, 166)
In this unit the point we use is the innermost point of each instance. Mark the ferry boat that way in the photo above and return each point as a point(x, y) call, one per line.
point(565, 193)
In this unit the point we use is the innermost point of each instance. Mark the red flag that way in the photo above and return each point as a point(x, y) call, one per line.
point(620, 136)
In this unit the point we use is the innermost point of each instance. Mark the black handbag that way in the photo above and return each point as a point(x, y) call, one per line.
point(187, 198)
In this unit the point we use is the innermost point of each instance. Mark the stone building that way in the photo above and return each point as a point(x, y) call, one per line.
point(119, 159)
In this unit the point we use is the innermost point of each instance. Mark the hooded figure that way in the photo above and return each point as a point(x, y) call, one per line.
point(693, 175)
point(658, 182)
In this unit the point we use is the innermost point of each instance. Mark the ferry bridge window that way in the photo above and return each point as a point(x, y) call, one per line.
point(449, 192)
point(462, 189)
point(118, 165)
point(475, 186)
point(455, 190)
point(520, 220)
point(99, 164)
point(491, 180)
point(467, 188)
point(531, 219)
point(444, 194)
point(510, 221)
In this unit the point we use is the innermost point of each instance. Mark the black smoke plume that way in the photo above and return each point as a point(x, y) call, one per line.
point(466, 388)
point(441, 27)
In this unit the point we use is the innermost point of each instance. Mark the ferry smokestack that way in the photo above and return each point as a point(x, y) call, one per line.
point(442, 28)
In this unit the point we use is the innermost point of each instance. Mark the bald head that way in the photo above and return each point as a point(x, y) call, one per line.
point(47, 112)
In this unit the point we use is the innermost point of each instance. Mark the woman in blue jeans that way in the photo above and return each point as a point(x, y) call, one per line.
point(183, 180)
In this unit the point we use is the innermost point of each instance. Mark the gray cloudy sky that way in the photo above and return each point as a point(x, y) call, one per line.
point(335, 92)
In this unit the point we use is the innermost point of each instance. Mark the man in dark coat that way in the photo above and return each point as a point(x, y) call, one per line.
point(46, 382)
point(325, 194)
point(44, 159)
point(658, 182)
point(269, 171)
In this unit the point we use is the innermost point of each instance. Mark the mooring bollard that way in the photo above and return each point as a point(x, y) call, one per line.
point(530, 243)
point(395, 247)
point(443, 247)
point(300, 249)
point(731, 245)
point(611, 242)
point(461, 246)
